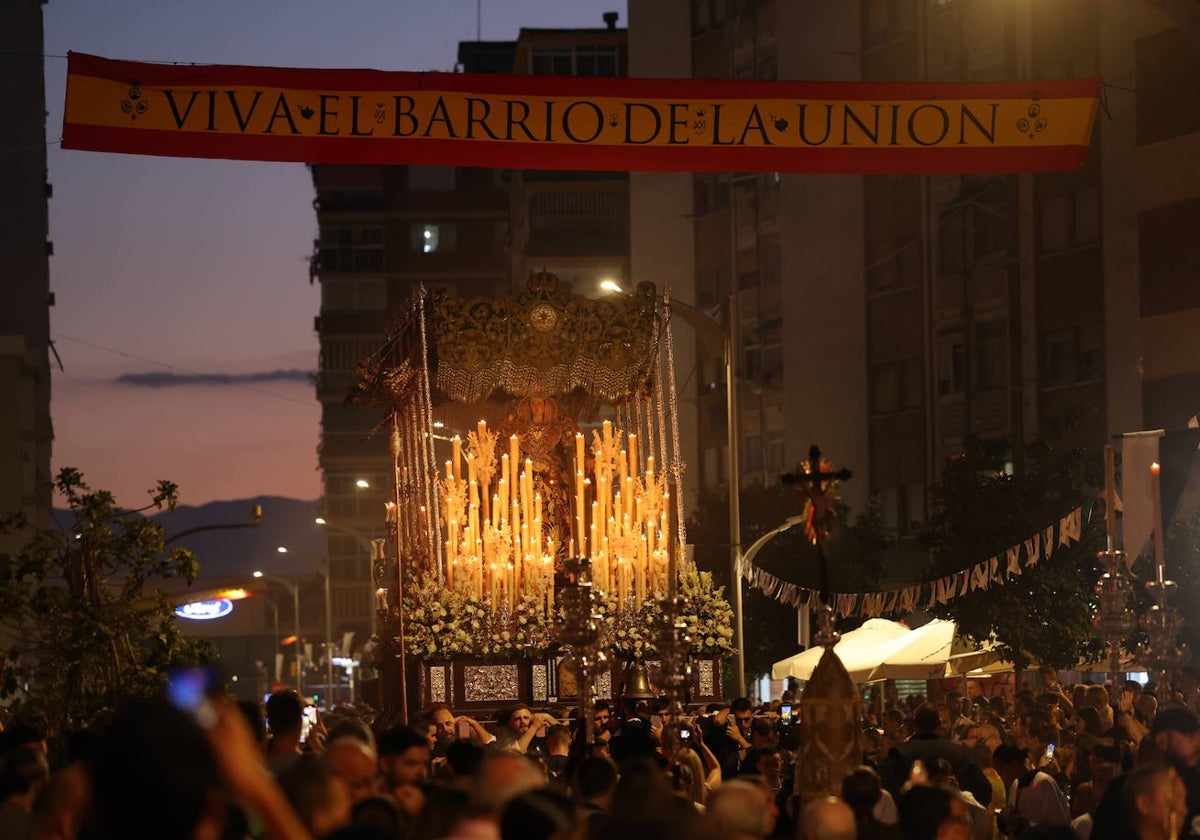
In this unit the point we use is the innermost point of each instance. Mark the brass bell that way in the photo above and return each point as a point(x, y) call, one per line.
point(637, 683)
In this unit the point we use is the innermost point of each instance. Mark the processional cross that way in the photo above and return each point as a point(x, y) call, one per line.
point(815, 483)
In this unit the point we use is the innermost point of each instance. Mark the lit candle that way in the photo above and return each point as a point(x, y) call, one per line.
point(514, 452)
point(481, 429)
point(449, 471)
point(456, 455)
point(1109, 497)
point(1156, 497)
point(633, 455)
point(579, 459)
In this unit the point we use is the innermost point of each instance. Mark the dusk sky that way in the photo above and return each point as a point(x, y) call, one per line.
point(165, 269)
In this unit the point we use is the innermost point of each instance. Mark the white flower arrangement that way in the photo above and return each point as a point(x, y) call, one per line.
point(443, 622)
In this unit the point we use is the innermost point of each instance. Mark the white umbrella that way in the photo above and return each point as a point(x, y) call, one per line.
point(859, 650)
point(920, 655)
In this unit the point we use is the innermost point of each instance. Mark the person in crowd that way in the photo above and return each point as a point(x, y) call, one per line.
point(285, 720)
point(765, 762)
point(941, 774)
point(380, 816)
point(934, 813)
point(463, 757)
point(687, 777)
point(862, 791)
point(594, 784)
point(601, 722)
point(540, 814)
point(356, 764)
point(827, 818)
point(403, 766)
point(716, 728)
point(927, 745)
point(1156, 801)
point(954, 719)
point(24, 771)
point(446, 728)
point(1033, 798)
point(156, 773)
point(1175, 735)
point(319, 796)
point(444, 805)
point(558, 750)
point(497, 781)
point(740, 809)
point(519, 727)
point(1086, 800)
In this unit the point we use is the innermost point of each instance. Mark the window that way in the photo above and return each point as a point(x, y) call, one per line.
point(1059, 358)
point(1070, 220)
point(1091, 353)
point(347, 249)
point(1056, 223)
point(991, 355)
point(343, 354)
point(431, 178)
point(1073, 355)
point(951, 365)
point(777, 452)
point(884, 388)
point(575, 60)
point(752, 453)
point(952, 243)
point(1087, 216)
point(353, 294)
point(432, 237)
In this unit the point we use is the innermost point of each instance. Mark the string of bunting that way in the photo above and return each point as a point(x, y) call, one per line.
point(994, 571)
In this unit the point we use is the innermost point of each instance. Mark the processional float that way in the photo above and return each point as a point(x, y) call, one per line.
point(536, 528)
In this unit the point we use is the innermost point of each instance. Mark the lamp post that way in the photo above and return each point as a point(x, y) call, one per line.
point(721, 339)
point(323, 571)
point(291, 587)
point(364, 542)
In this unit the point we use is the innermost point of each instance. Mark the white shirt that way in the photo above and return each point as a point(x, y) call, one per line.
point(1041, 802)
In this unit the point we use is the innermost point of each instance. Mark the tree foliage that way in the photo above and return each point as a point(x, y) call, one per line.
point(84, 625)
point(1043, 616)
point(855, 555)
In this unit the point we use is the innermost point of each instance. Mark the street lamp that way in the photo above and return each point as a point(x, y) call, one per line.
point(722, 340)
point(295, 592)
point(364, 542)
point(323, 571)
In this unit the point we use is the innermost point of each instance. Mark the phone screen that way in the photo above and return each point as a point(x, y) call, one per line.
point(785, 710)
point(191, 690)
point(310, 719)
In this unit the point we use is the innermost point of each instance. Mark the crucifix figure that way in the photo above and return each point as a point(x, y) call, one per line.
point(814, 479)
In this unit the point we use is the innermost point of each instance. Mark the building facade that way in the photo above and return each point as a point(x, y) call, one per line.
point(895, 319)
point(26, 432)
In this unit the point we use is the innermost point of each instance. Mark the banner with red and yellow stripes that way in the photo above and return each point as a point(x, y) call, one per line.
point(545, 122)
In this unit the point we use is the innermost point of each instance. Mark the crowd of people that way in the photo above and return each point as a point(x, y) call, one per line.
point(1055, 763)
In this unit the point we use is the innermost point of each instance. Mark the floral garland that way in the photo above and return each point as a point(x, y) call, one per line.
point(443, 622)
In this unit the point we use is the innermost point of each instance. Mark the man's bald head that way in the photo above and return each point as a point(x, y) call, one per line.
point(738, 808)
point(827, 818)
point(355, 763)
